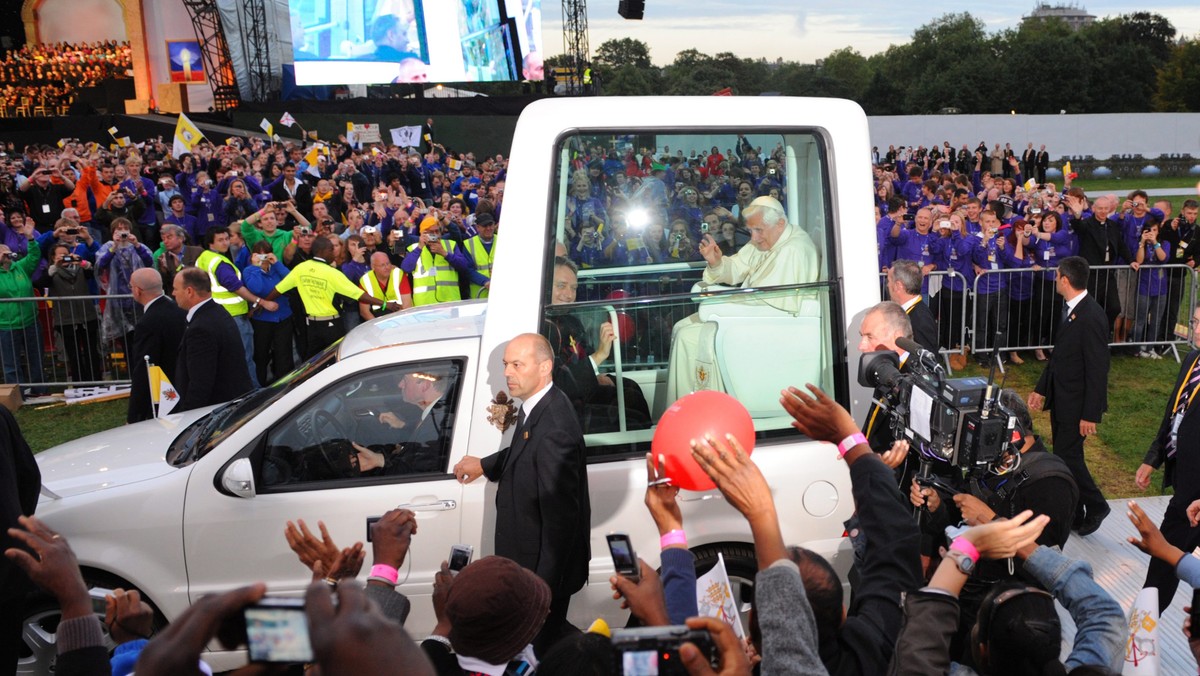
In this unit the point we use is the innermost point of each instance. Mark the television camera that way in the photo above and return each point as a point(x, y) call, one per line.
point(958, 421)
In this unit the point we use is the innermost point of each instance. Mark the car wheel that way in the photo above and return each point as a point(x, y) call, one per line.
point(741, 565)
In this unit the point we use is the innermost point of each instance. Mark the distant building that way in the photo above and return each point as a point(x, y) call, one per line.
point(1075, 16)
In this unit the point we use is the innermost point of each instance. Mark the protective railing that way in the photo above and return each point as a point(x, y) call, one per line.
point(1019, 309)
point(948, 297)
point(61, 341)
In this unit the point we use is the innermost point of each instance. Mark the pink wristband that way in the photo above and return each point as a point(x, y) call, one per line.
point(850, 442)
point(675, 537)
point(386, 572)
point(961, 544)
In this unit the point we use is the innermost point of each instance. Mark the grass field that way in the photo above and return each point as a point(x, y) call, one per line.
point(51, 426)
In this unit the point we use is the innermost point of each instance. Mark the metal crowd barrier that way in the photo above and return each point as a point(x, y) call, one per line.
point(1025, 313)
point(946, 307)
point(70, 341)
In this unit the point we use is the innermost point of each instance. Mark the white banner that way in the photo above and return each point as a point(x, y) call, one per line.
point(406, 137)
point(714, 597)
point(1141, 648)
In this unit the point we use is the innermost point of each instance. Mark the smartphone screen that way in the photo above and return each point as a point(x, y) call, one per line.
point(623, 556)
point(277, 631)
point(460, 556)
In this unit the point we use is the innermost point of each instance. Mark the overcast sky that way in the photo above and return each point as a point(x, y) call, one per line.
point(806, 31)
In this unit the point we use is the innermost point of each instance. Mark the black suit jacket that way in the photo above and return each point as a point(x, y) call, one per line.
point(1183, 470)
point(924, 326)
point(543, 512)
point(304, 202)
point(1043, 160)
point(157, 335)
point(1094, 235)
point(212, 364)
point(1075, 381)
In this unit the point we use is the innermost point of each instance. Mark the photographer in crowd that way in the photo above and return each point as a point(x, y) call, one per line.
point(1035, 480)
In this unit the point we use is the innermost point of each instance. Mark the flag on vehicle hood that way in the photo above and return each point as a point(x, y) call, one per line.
point(162, 391)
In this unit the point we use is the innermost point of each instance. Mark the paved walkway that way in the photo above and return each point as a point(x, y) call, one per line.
point(1120, 568)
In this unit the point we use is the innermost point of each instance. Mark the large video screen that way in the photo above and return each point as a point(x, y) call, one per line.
point(386, 41)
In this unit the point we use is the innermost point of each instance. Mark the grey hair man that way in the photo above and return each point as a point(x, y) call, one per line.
point(904, 287)
point(778, 254)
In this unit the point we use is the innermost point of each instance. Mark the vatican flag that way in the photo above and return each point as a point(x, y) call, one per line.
point(162, 392)
point(1142, 643)
point(187, 135)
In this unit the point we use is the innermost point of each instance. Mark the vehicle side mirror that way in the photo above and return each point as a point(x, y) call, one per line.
point(238, 478)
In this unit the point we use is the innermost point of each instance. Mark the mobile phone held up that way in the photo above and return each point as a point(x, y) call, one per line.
point(277, 631)
point(624, 558)
point(460, 556)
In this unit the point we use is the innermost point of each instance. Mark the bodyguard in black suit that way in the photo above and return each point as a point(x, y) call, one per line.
point(157, 336)
point(212, 364)
point(904, 287)
point(543, 512)
point(1043, 163)
point(1177, 445)
point(1074, 385)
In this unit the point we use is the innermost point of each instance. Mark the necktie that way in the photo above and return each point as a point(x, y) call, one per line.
point(1066, 312)
point(520, 419)
point(1181, 407)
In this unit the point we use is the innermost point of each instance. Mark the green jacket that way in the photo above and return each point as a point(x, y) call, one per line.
point(17, 282)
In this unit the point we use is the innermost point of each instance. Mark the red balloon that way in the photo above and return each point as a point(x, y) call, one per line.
point(625, 327)
point(692, 417)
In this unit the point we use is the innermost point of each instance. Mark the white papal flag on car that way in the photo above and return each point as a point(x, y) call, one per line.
point(162, 392)
point(1141, 645)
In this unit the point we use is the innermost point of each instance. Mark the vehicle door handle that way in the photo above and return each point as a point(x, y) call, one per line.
point(435, 506)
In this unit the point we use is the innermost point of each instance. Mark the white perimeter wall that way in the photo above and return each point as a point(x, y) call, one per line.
point(1148, 134)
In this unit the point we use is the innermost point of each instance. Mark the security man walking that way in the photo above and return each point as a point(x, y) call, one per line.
point(318, 282)
point(385, 281)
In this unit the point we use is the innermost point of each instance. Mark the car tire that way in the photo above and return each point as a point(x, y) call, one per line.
point(741, 565)
point(39, 631)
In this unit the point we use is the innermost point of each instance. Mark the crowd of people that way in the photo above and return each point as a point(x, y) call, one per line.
point(401, 227)
point(992, 233)
point(987, 607)
point(50, 75)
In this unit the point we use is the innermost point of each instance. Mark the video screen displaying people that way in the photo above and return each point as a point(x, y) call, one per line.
point(412, 41)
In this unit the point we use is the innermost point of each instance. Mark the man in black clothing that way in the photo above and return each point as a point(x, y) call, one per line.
point(212, 366)
point(1101, 242)
point(157, 336)
point(1177, 446)
point(1074, 386)
point(43, 195)
point(20, 483)
point(904, 287)
point(1042, 164)
point(862, 640)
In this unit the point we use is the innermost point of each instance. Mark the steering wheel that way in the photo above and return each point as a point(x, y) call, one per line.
point(323, 432)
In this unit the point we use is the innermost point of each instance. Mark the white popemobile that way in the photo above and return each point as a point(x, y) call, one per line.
point(196, 503)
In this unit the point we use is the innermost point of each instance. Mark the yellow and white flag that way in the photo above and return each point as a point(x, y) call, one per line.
point(267, 127)
point(187, 136)
point(1141, 646)
point(311, 159)
point(162, 392)
point(1031, 185)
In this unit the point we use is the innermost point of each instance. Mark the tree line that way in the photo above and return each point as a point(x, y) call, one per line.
point(1129, 63)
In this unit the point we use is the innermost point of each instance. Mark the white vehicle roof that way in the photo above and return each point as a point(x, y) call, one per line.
point(416, 325)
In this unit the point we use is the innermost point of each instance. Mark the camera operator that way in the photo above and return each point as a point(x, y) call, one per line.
point(880, 328)
point(1040, 481)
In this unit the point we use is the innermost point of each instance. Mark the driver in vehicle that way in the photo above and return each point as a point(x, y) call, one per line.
point(425, 413)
